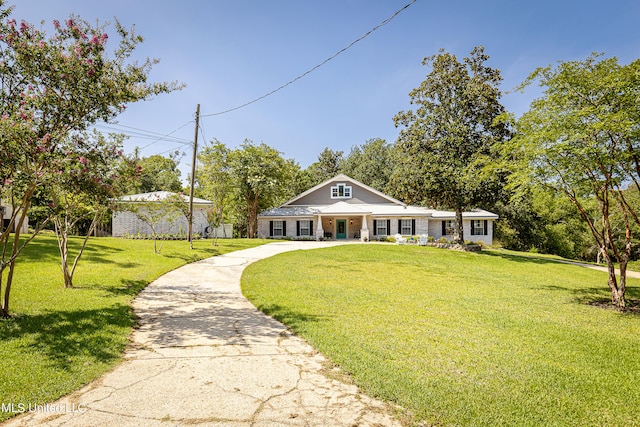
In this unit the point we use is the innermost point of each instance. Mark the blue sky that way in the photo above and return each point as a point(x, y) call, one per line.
point(231, 52)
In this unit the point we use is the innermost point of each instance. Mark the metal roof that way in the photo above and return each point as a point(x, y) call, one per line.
point(159, 196)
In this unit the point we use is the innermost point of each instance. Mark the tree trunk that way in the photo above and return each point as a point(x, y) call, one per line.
point(459, 235)
point(617, 291)
point(14, 251)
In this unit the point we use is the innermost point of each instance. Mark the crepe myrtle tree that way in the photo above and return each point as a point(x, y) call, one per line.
point(52, 87)
point(582, 138)
point(89, 177)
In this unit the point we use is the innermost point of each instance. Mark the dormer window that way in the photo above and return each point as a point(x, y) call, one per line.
point(341, 191)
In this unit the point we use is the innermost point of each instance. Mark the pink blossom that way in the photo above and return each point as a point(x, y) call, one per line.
point(23, 26)
point(69, 23)
point(56, 24)
point(104, 37)
point(83, 160)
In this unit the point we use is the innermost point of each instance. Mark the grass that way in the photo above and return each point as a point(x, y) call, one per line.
point(60, 339)
point(459, 338)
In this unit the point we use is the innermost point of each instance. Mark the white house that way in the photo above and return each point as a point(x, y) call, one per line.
point(343, 208)
point(125, 221)
point(6, 211)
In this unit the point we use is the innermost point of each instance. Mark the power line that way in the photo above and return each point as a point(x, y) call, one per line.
point(141, 132)
point(149, 136)
point(169, 134)
point(383, 23)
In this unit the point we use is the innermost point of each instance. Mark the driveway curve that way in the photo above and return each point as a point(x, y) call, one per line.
point(203, 355)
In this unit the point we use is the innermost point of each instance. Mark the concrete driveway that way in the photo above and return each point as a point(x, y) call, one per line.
point(203, 355)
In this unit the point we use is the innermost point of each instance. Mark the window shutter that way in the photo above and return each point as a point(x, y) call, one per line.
point(486, 228)
point(375, 227)
point(473, 227)
point(297, 228)
point(388, 226)
point(413, 226)
point(284, 228)
point(311, 228)
point(399, 226)
point(270, 228)
point(444, 228)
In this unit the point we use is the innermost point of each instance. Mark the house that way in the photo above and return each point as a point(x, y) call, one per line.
point(169, 219)
point(343, 208)
point(6, 211)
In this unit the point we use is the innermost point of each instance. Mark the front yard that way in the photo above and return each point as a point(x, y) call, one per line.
point(461, 338)
point(61, 339)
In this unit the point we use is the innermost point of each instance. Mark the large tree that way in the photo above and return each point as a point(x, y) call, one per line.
point(52, 87)
point(214, 181)
point(582, 138)
point(327, 166)
point(448, 139)
point(262, 180)
point(369, 163)
point(159, 173)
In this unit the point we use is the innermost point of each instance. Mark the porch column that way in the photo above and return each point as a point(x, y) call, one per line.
point(364, 232)
point(319, 230)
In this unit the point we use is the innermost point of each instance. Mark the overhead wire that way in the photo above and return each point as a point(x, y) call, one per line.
point(368, 33)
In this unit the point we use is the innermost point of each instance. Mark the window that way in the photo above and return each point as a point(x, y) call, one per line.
point(406, 227)
point(304, 228)
point(341, 191)
point(479, 227)
point(381, 228)
point(277, 228)
point(448, 227)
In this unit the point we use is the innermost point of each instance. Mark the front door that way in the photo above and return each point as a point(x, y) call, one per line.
point(341, 229)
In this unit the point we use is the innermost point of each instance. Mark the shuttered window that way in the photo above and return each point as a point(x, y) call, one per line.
point(278, 228)
point(304, 228)
point(407, 227)
point(479, 227)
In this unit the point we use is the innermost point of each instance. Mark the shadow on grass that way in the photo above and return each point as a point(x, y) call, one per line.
point(601, 297)
point(293, 319)
point(63, 335)
point(45, 248)
point(521, 258)
point(130, 288)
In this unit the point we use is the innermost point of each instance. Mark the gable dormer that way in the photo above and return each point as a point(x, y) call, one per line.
point(341, 191)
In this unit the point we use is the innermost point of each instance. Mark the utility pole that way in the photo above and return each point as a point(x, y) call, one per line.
point(193, 176)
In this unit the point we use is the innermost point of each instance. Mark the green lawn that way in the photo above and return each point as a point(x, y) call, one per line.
point(459, 338)
point(61, 339)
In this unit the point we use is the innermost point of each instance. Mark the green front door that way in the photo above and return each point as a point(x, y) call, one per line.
point(341, 229)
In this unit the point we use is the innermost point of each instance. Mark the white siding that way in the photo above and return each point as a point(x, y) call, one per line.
point(128, 223)
point(435, 230)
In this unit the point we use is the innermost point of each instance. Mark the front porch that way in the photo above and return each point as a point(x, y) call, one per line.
point(342, 227)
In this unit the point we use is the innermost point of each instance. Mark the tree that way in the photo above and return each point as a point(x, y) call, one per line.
point(581, 138)
point(159, 173)
point(327, 166)
point(263, 179)
point(215, 182)
point(450, 137)
point(369, 163)
point(87, 181)
point(51, 88)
